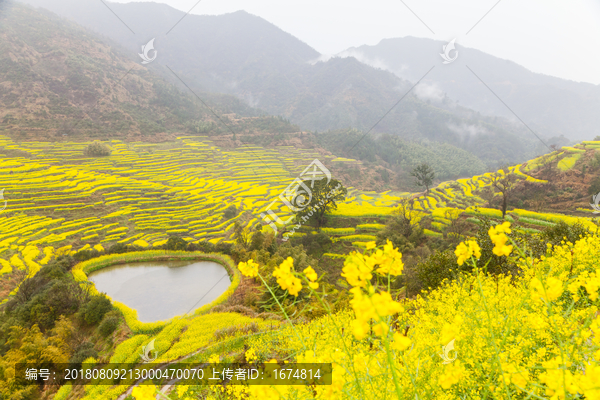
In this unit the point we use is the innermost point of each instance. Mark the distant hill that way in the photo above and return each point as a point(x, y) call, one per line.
point(59, 80)
point(234, 53)
point(269, 69)
point(550, 105)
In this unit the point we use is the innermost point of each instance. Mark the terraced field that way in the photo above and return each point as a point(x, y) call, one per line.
point(58, 202)
point(57, 199)
point(141, 193)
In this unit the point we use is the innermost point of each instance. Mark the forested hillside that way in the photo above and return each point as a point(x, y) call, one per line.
point(58, 80)
point(549, 104)
point(243, 55)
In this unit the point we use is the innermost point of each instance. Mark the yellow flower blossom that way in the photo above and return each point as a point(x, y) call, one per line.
point(588, 383)
point(498, 235)
point(551, 292)
point(263, 392)
point(181, 389)
point(251, 355)
point(357, 270)
point(467, 249)
point(373, 307)
point(401, 342)
point(451, 375)
point(285, 277)
point(516, 375)
point(389, 260)
point(249, 268)
point(310, 274)
point(558, 379)
point(144, 392)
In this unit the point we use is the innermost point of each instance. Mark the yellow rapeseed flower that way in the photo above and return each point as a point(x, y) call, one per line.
point(588, 383)
point(144, 392)
point(372, 307)
point(310, 274)
point(401, 342)
point(249, 268)
point(467, 249)
point(451, 375)
point(389, 260)
point(181, 389)
point(251, 355)
point(285, 277)
point(498, 235)
point(357, 270)
point(553, 290)
point(516, 375)
point(263, 392)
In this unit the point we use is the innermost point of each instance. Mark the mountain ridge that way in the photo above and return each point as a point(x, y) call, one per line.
point(563, 106)
point(57, 79)
point(338, 94)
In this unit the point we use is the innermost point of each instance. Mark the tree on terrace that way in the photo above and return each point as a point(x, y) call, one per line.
point(322, 199)
point(424, 175)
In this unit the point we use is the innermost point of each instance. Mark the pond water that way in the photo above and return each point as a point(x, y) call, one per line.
point(163, 289)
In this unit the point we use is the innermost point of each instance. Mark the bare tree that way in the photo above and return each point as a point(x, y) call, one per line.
point(407, 214)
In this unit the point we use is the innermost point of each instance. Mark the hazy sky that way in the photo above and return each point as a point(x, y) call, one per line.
point(554, 37)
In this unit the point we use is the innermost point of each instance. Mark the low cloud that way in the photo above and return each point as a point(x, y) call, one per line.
point(466, 131)
point(426, 91)
point(361, 57)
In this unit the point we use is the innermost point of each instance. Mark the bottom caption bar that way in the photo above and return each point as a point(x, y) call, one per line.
point(187, 374)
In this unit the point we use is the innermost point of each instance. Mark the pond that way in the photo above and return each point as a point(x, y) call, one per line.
point(163, 289)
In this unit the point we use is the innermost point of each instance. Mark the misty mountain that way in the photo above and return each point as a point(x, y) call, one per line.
point(246, 56)
point(58, 79)
point(234, 53)
point(549, 105)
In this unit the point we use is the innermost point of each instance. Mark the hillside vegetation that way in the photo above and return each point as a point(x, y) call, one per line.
point(62, 203)
point(264, 67)
point(484, 284)
point(59, 80)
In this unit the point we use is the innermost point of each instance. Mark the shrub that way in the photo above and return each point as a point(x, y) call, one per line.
point(93, 311)
point(97, 149)
point(594, 186)
point(316, 244)
point(109, 324)
point(175, 243)
point(230, 212)
point(118, 248)
point(563, 231)
point(84, 255)
point(204, 246)
point(432, 272)
point(83, 352)
point(224, 248)
point(402, 232)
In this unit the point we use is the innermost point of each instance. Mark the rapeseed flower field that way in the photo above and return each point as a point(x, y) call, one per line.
point(534, 335)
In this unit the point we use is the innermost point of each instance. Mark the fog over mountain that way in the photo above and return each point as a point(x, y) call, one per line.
point(245, 55)
point(270, 70)
point(557, 106)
